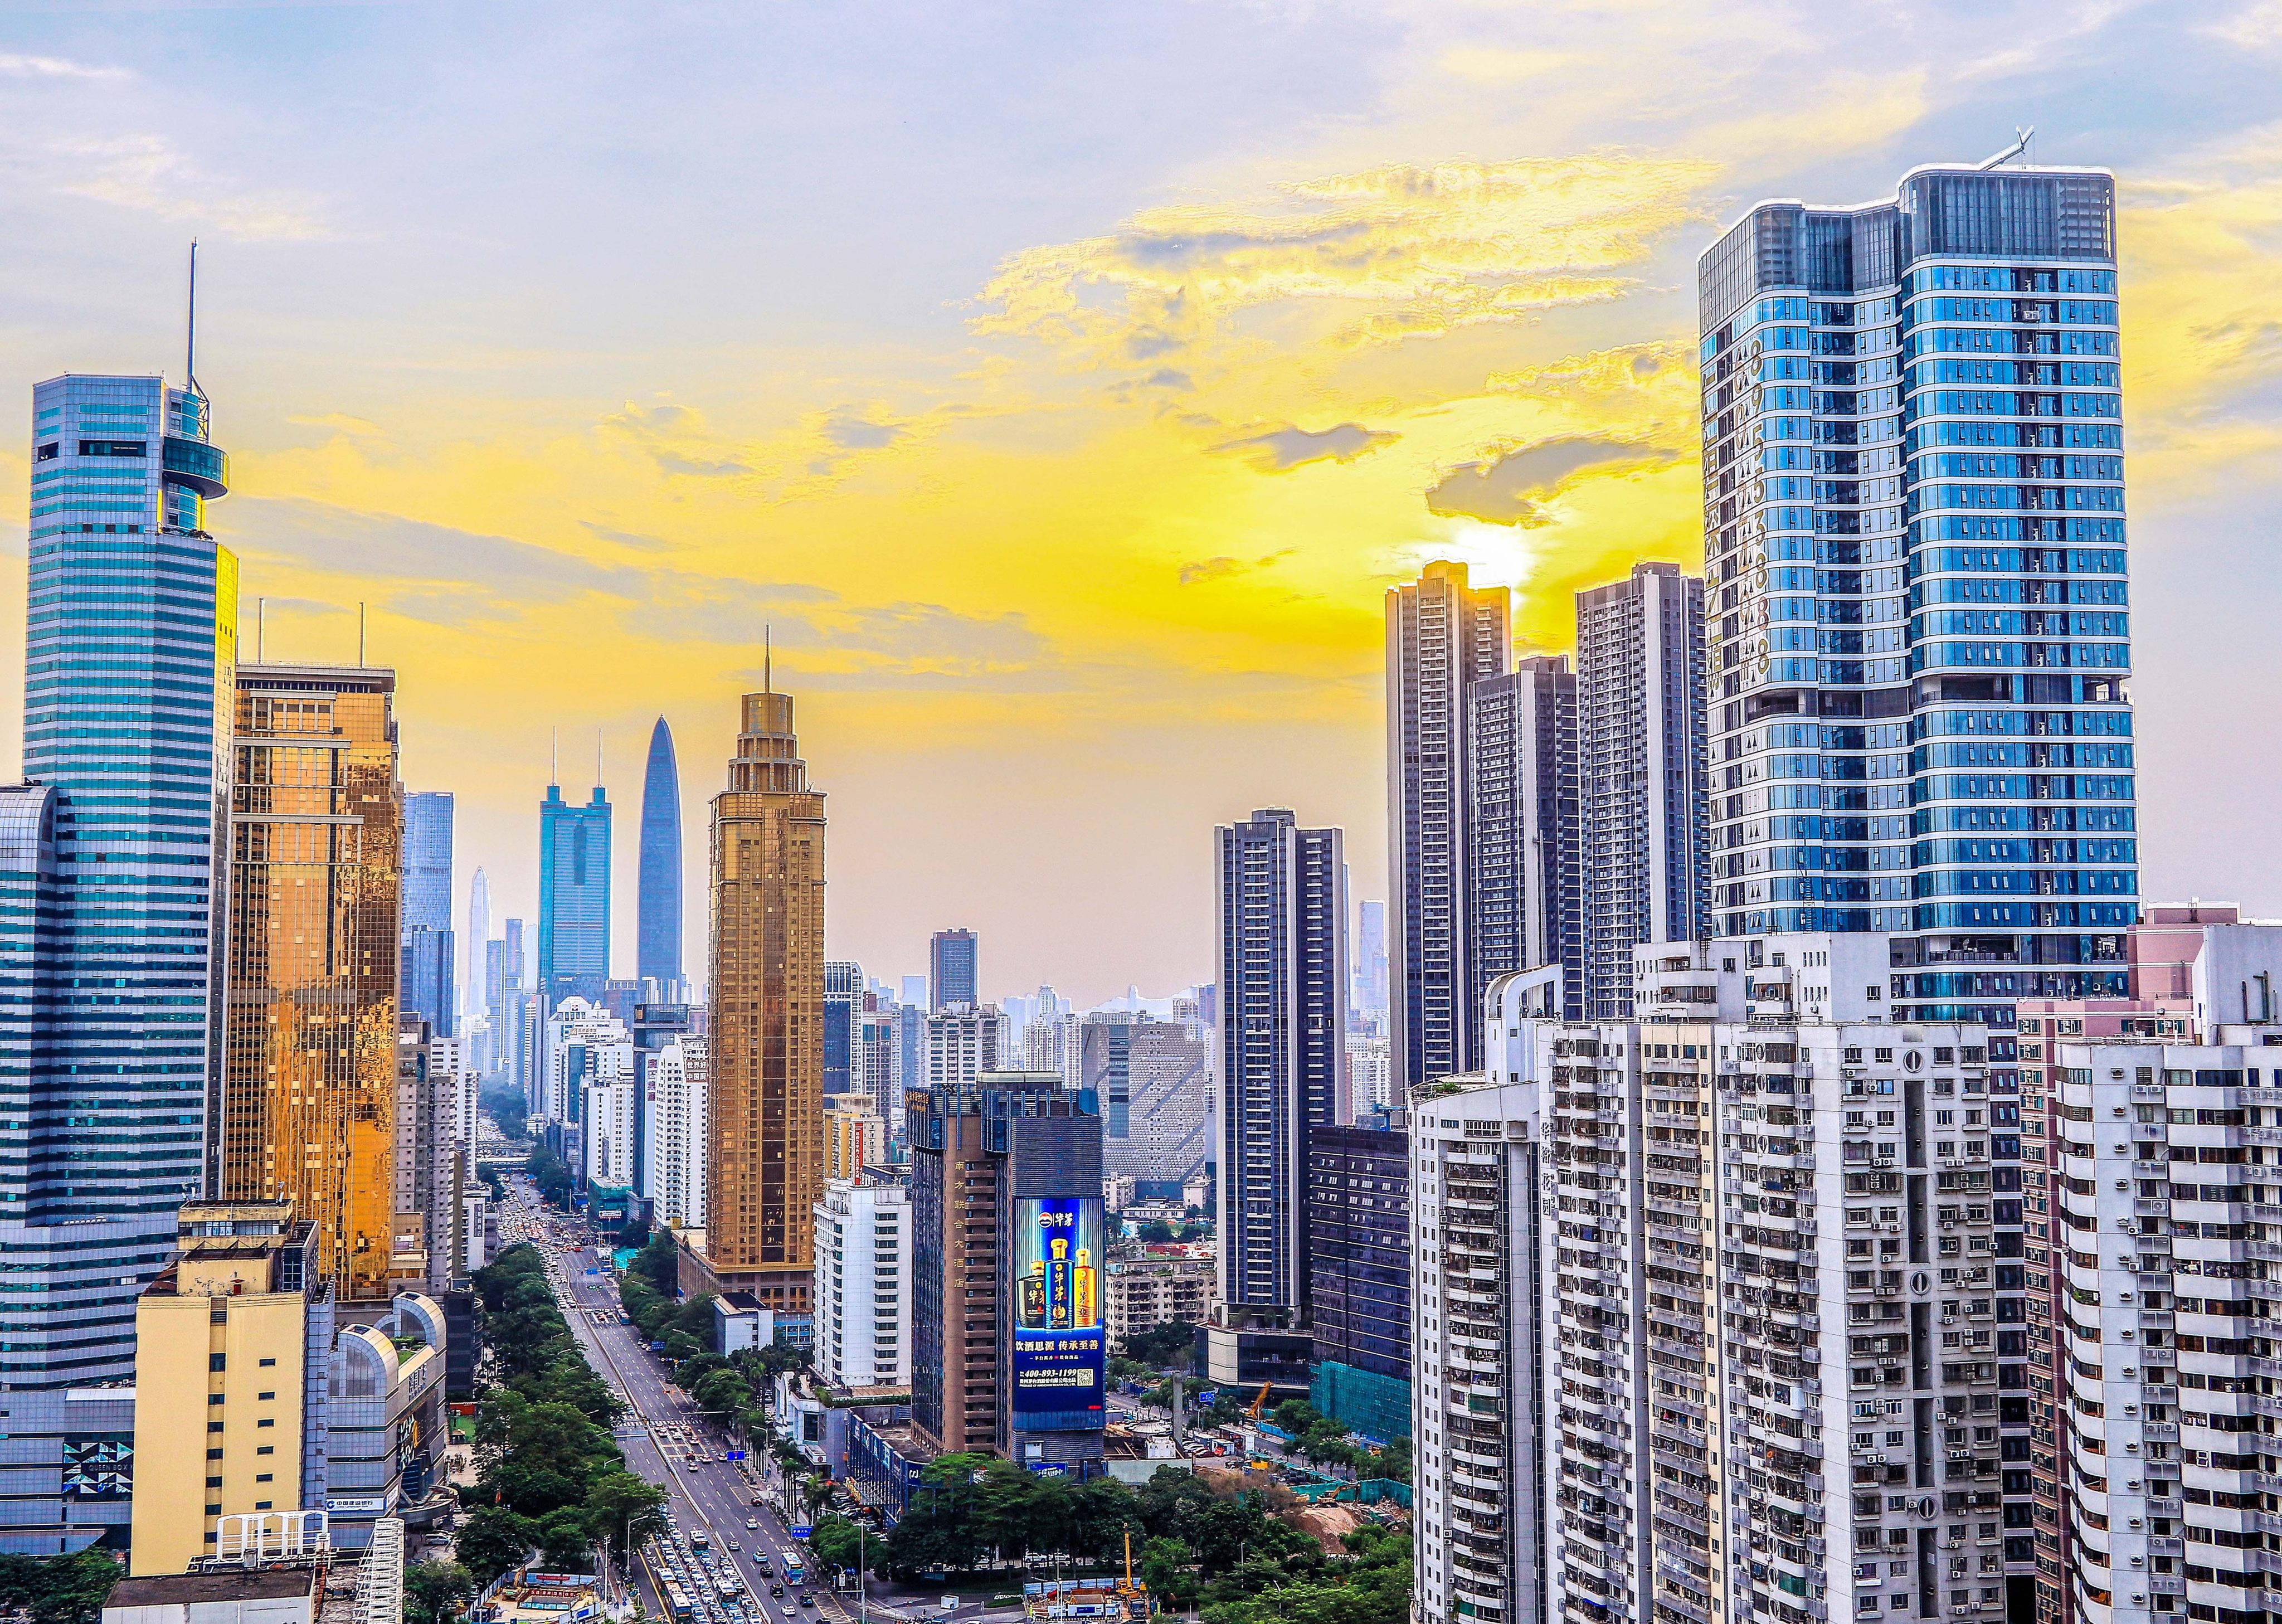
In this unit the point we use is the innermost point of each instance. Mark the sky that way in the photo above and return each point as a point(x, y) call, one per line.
point(1063, 387)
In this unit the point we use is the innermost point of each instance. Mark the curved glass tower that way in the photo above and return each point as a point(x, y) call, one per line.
point(129, 650)
point(1914, 520)
point(657, 941)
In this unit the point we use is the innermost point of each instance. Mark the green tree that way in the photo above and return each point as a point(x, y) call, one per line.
point(60, 1590)
point(494, 1540)
point(618, 1503)
point(565, 1540)
point(937, 1528)
point(1160, 1345)
point(504, 1104)
point(434, 1591)
point(835, 1543)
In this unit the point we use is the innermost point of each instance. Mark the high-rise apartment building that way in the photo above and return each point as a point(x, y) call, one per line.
point(1442, 635)
point(863, 1282)
point(962, 1042)
point(871, 1059)
point(1914, 520)
point(1641, 773)
point(130, 644)
point(1280, 899)
point(428, 980)
point(676, 1087)
point(657, 936)
point(954, 968)
point(574, 897)
point(1524, 847)
point(1478, 1359)
point(308, 1086)
point(766, 1166)
point(1008, 1352)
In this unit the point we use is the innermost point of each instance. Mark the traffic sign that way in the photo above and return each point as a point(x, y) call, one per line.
point(734, 1454)
point(800, 1530)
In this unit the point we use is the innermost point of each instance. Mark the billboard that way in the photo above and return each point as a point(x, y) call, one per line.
point(1061, 1354)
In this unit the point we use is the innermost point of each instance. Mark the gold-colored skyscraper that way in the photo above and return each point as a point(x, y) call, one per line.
point(766, 1154)
point(309, 1036)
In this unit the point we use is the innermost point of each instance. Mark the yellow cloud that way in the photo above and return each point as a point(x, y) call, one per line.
point(1382, 254)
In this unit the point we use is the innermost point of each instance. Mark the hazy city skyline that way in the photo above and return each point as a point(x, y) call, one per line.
point(1029, 525)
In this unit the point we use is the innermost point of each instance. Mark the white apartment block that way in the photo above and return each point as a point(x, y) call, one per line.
point(1150, 1290)
point(612, 1120)
point(962, 1042)
point(863, 1284)
point(1765, 1267)
point(1478, 1386)
point(586, 1045)
point(677, 1107)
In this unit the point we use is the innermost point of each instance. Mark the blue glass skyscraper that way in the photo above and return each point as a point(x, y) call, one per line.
point(574, 896)
point(426, 987)
point(1914, 518)
point(114, 983)
point(657, 934)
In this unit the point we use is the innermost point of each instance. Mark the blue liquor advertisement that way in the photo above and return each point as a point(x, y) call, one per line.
point(1061, 1355)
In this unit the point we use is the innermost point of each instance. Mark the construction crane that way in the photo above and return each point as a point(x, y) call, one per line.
point(1260, 1403)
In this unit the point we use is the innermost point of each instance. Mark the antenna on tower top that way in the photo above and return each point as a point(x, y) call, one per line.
point(768, 655)
point(554, 757)
point(598, 759)
point(191, 342)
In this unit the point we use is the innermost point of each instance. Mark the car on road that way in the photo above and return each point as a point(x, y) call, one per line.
point(789, 1610)
point(752, 1522)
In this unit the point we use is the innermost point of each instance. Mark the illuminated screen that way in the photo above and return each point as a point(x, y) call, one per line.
point(1059, 1354)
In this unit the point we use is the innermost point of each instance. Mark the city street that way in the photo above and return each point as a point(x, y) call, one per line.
point(671, 1446)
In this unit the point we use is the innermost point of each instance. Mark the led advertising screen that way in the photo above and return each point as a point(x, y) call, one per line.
point(1060, 1353)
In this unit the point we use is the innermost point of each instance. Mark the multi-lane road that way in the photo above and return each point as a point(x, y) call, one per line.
point(670, 1445)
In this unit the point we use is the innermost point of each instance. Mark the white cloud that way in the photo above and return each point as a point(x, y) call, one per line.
point(13, 66)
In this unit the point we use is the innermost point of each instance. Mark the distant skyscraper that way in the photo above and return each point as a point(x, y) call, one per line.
point(843, 993)
point(1914, 520)
point(1521, 823)
point(915, 991)
point(574, 896)
point(963, 1042)
point(1151, 1076)
point(1370, 992)
point(1441, 635)
point(425, 978)
point(474, 988)
point(658, 943)
point(952, 968)
point(767, 1167)
point(130, 643)
point(1282, 909)
point(1641, 774)
point(309, 1071)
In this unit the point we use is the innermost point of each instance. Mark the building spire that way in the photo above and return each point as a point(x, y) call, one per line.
point(554, 757)
point(191, 339)
point(598, 759)
point(768, 655)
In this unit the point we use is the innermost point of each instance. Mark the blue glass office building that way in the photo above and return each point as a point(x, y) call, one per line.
point(1919, 637)
point(574, 896)
point(110, 854)
point(426, 982)
point(657, 935)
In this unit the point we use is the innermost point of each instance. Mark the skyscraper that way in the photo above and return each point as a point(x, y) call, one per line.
point(426, 979)
point(953, 968)
point(1641, 773)
point(130, 644)
point(1913, 510)
point(767, 1041)
point(309, 1070)
point(1283, 909)
point(474, 983)
point(1370, 959)
point(657, 938)
point(843, 993)
point(1441, 635)
point(574, 896)
point(1522, 857)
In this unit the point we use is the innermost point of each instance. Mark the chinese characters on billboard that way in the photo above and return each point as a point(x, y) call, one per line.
point(1059, 1355)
